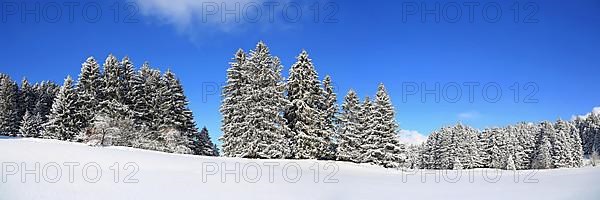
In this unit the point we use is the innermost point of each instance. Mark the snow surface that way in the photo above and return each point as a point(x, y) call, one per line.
point(171, 176)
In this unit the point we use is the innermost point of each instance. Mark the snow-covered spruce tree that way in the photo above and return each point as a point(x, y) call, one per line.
point(445, 151)
point(428, 157)
point(216, 150)
point(593, 139)
point(140, 107)
point(111, 82)
point(580, 124)
point(153, 87)
point(589, 128)
point(170, 107)
point(461, 146)
point(233, 108)
point(330, 108)
point(436, 154)
point(543, 157)
point(510, 163)
point(266, 129)
point(483, 138)
point(526, 133)
point(543, 152)
point(442, 151)
point(593, 133)
point(158, 108)
point(413, 156)
point(63, 122)
point(369, 150)
point(456, 148)
point(147, 99)
point(46, 93)
point(513, 148)
point(89, 87)
point(457, 165)
point(349, 133)
point(576, 156)
point(386, 127)
point(561, 150)
point(101, 99)
point(467, 139)
point(189, 124)
point(304, 115)
point(203, 145)
point(496, 148)
point(448, 145)
point(127, 70)
point(9, 110)
point(174, 108)
point(30, 125)
point(27, 98)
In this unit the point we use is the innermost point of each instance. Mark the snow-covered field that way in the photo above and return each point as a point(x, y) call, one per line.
point(127, 173)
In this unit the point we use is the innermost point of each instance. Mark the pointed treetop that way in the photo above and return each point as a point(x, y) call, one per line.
point(261, 47)
point(110, 63)
point(382, 96)
point(367, 100)
point(459, 123)
point(127, 66)
point(111, 57)
point(146, 65)
point(261, 43)
point(170, 76)
point(68, 79)
point(328, 85)
point(204, 129)
point(90, 65)
point(382, 92)
point(352, 93)
point(24, 82)
point(381, 87)
point(240, 52)
point(303, 55)
point(240, 55)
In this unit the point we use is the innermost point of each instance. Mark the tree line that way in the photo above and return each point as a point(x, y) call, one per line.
point(267, 116)
point(522, 146)
point(544, 145)
point(117, 106)
point(31, 101)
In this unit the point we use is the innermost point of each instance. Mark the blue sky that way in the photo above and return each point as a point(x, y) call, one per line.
point(550, 50)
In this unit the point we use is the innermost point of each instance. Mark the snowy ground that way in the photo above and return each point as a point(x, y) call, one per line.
point(153, 175)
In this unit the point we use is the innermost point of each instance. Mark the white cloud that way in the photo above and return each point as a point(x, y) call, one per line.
point(412, 137)
point(185, 14)
point(198, 18)
point(469, 115)
point(595, 110)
